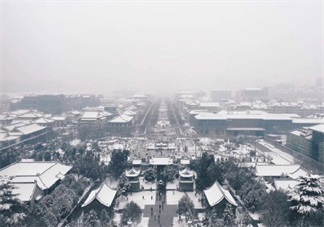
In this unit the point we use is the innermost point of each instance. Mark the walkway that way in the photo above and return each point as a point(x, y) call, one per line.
point(160, 214)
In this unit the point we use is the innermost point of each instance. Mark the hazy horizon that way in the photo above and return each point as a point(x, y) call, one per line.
point(100, 47)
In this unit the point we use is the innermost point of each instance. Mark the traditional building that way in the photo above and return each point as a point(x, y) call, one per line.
point(219, 197)
point(34, 179)
point(94, 117)
point(133, 178)
point(100, 198)
point(186, 180)
point(122, 125)
point(279, 171)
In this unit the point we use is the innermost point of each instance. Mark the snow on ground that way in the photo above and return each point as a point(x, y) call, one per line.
point(173, 198)
point(179, 223)
point(284, 155)
point(172, 185)
point(146, 184)
point(117, 218)
point(142, 198)
point(144, 222)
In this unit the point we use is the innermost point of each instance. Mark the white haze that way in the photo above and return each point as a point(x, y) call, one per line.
point(163, 46)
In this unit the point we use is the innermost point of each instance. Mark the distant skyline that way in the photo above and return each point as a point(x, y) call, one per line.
point(159, 46)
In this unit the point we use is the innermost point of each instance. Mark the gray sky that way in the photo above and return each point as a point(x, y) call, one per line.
point(158, 46)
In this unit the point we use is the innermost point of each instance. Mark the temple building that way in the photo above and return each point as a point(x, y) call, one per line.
point(219, 197)
point(186, 180)
point(133, 178)
point(100, 198)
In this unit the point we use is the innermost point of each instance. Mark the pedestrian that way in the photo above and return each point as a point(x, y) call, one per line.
point(143, 197)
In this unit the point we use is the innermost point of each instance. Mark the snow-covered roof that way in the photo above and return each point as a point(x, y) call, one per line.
point(5, 117)
point(161, 161)
point(129, 113)
point(285, 184)
point(275, 170)
point(58, 118)
point(11, 127)
point(122, 119)
point(44, 121)
point(235, 115)
point(318, 128)
point(185, 161)
point(5, 137)
point(30, 115)
point(75, 112)
point(195, 112)
point(28, 129)
point(132, 173)
point(45, 173)
point(298, 173)
point(104, 194)
point(137, 162)
point(90, 115)
point(185, 173)
point(215, 194)
point(24, 191)
point(308, 121)
point(209, 116)
point(209, 104)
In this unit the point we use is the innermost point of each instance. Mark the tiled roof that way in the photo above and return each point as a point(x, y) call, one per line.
point(215, 194)
point(104, 194)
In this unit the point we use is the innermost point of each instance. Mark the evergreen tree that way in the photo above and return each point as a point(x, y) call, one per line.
point(104, 218)
point(203, 176)
point(246, 220)
point(118, 163)
point(185, 206)
point(123, 186)
point(91, 219)
point(228, 216)
point(12, 210)
point(132, 212)
point(308, 195)
point(275, 211)
point(307, 201)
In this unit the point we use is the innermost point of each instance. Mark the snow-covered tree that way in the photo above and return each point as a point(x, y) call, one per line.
point(91, 219)
point(123, 186)
point(308, 195)
point(185, 206)
point(228, 216)
point(11, 209)
point(132, 212)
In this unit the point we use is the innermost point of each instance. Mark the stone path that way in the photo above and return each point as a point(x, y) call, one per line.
point(160, 214)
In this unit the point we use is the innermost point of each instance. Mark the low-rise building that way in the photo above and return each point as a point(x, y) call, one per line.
point(219, 197)
point(133, 178)
point(186, 180)
point(34, 179)
point(308, 141)
point(101, 198)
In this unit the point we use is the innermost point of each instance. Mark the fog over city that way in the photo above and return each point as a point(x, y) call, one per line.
point(159, 46)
